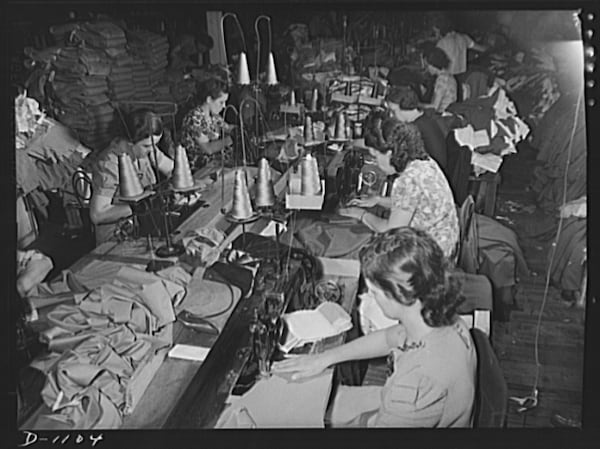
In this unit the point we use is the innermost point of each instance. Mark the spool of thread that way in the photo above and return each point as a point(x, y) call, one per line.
point(340, 126)
point(265, 194)
point(271, 74)
point(309, 134)
point(243, 72)
point(292, 98)
point(130, 185)
point(182, 173)
point(314, 99)
point(241, 207)
point(310, 182)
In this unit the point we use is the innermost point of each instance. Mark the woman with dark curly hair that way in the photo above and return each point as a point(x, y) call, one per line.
point(445, 90)
point(430, 352)
point(420, 196)
point(202, 129)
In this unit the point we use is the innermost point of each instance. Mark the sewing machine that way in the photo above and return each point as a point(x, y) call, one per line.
point(249, 341)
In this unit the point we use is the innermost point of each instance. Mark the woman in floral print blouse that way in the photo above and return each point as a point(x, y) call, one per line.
point(203, 129)
point(420, 195)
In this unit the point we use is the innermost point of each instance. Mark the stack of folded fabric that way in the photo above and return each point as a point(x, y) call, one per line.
point(152, 49)
point(143, 89)
point(120, 78)
point(81, 90)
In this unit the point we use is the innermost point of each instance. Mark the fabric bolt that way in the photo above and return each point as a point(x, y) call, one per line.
point(455, 46)
point(422, 188)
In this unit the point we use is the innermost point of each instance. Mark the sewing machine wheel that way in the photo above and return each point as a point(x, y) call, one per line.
point(328, 291)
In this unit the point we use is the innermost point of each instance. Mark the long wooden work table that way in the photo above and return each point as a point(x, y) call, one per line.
point(181, 394)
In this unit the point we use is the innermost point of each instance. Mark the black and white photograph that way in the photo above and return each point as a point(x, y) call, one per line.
point(237, 219)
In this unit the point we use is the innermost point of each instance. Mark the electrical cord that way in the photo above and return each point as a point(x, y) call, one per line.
point(531, 401)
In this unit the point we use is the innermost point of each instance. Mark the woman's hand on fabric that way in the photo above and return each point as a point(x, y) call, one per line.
point(369, 201)
point(302, 366)
point(352, 212)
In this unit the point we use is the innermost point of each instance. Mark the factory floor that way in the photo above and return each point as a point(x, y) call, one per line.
point(561, 334)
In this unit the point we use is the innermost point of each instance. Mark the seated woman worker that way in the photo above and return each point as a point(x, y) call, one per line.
point(144, 130)
point(420, 196)
point(445, 89)
point(203, 131)
point(431, 356)
point(403, 103)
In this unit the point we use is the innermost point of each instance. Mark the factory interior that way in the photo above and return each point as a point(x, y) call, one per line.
point(322, 216)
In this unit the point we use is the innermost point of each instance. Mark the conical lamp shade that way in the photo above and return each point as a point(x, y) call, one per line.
point(271, 74)
point(340, 127)
point(130, 185)
point(243, 72)
point(241, 207)
point(265, 194)
point(310, 182)
point(182, 173)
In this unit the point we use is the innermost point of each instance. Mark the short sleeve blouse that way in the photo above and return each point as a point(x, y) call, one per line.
point(200, 127)
point(423, 190)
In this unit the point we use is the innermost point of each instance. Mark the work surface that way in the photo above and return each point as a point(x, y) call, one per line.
point(170, 399)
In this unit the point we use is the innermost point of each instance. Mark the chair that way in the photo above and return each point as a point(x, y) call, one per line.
point(477, 288)
point(491, 393)
point(82, 188)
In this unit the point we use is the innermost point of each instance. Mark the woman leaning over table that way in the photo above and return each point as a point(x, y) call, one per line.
point(430, 352)
point(420, 195)
point(144, 131)
point(204, 132)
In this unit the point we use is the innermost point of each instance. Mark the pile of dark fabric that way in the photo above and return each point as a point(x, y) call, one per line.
point(83, 70)
point(530, 81)
point(151, 50)
point(565, 120)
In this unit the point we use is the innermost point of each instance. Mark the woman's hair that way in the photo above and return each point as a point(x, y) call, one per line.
point(404, 96)
point(437, 58)
point(213, 87)
point(141, 124)
point(389, 256)
point(385, 133)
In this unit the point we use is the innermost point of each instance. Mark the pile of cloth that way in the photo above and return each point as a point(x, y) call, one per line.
point(560, 138)
point(47, 154)
point(491, 128)
point(151, 50)
point(84, 81)
point(98, 344)
point(530, 80)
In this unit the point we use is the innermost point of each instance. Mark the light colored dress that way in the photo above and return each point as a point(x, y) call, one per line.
point(422, 188)
point(432, 385)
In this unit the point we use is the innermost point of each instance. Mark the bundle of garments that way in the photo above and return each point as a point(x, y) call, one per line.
point(491, 128)
point(83, 74)
point(561, 133)
point(101, 344)
point(151, 49)
point(90, 387)
point(531, 81)
point(47, 154)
